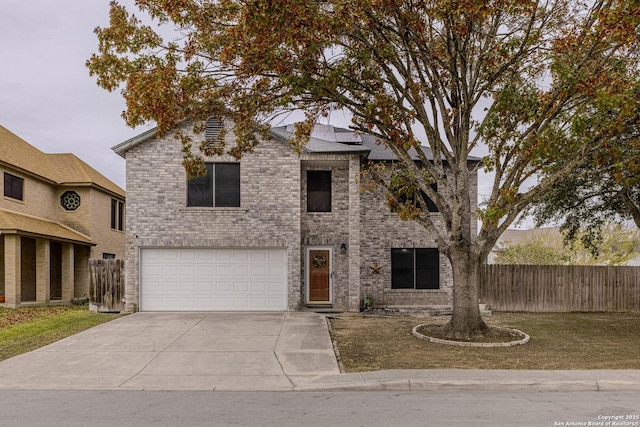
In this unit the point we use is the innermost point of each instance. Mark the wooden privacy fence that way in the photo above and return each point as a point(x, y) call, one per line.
point(560, 288)
point(106, 284)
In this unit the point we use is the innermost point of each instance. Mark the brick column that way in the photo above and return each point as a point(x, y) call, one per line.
point(12, 276)
point(68, 277)
point(43, 271)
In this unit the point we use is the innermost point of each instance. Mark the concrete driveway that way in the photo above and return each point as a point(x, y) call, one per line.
point(181, 351)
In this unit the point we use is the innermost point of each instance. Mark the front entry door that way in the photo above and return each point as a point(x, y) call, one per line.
point(319, 275)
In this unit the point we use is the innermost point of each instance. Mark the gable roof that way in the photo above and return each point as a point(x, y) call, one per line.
point(60, 169)
point(15, 223)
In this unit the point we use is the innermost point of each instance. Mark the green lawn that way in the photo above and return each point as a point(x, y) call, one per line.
point(26, 329)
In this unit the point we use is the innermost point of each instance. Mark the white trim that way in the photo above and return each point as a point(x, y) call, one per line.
point(306, 271)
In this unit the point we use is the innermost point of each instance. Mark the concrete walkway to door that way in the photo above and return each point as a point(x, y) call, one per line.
point(181, 351)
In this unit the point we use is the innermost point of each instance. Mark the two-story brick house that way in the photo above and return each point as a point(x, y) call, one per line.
point(276, 230)
point(56, 212)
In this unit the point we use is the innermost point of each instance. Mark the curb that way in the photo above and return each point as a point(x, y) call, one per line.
point(509, 385)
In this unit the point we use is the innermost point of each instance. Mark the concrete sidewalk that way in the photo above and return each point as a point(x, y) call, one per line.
point(250, 352)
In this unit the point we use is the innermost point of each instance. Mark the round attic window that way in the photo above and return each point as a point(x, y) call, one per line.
point(70, 200)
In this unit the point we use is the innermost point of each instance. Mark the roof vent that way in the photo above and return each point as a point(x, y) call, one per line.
point(214, 128)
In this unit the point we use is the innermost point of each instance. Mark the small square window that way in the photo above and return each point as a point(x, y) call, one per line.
point(13, 186)
point(415, 268)
point(318, 191)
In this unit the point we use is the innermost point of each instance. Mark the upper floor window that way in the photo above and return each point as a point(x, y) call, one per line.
point(318, 191)
point(13, 186)
point(431, 206)
point(415, 268)
point(220, 187)
point(117, 215)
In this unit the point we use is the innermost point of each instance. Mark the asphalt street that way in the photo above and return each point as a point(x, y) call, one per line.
point(311, 409)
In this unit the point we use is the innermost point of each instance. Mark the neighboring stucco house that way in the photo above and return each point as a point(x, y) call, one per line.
point(276, 230)
point(56, 212)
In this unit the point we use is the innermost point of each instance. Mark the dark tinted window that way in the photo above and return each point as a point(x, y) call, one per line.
point(427, 269)
point(431, 207)
point(220, 187)
point(402, 268)
point(114, 213)
point(415, 268)
point(13, 186)
point(120, 216)
point(318, 191)
point(200, 189)
point(227, 185)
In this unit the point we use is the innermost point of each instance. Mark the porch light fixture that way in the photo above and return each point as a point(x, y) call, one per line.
point(343, 248)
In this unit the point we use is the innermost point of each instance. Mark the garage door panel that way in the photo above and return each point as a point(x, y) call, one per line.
point(213, 279)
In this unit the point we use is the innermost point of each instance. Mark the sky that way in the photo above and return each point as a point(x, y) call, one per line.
point(46, 94)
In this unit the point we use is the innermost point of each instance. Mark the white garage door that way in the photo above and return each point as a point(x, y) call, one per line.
point(213, 279)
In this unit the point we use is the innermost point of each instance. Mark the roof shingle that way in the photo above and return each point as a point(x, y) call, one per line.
point(60, 169)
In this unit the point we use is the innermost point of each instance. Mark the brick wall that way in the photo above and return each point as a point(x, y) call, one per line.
point(158, 216)
point(92, 218)
point(382, 230)
point(273, 214)
point(330, 229)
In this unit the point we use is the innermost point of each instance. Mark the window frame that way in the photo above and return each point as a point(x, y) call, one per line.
point(10, 189)
point(212, 195)
point(319, 187)
point(117, 215)
point(419, 270)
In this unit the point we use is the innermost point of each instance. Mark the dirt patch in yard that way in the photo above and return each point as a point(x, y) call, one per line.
point(558, 341)
point(16, 316)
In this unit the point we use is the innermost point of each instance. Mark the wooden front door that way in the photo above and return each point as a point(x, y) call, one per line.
point(319, 275)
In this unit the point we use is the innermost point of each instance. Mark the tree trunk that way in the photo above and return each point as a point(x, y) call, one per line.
point(466, 322)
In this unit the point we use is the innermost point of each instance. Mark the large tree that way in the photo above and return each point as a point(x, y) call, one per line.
point(596, 194)
point(531, 82)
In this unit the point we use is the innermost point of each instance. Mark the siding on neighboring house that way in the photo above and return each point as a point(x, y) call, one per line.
point(84, 232)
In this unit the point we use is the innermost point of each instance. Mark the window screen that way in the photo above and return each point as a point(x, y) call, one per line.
point(220, 187)
point(200, 189)
point(13, 186)
point(415, 268)
point(318, 191)
point(227, 185)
